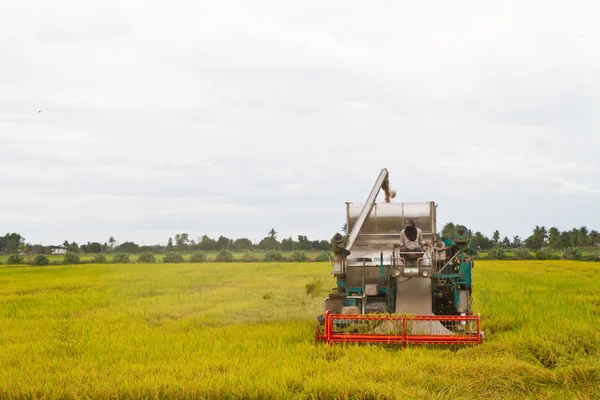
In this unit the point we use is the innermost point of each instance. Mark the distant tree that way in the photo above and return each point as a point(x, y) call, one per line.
point(583, 236)
point(207, 243)
point(249, 257)
point(303, 243)
point(198, 257)
point(496, 237)
point(111, 241)
point(554, 237)
point(269, 243)
point(537, 240)
point(224, 256)
point(565, 239)
point(173, 258)
point(73, 247)
point(506, 241)
point(15, 259)
point(481, 241)
point(223, 243)
point(99, 259)
point(543, 235)
point(273, 233)
point(324, 245)
point(71, 258)
point(93, 247)
point(121, 258)
point(497, 253)
point(572, 253)
point(345, 228)
point(522, 254)
point(39, 249)
point(299, 256)
point(594, 237)
point(170, 244)
point(574, 237)
point(40, 260)
point(287, 244)
point(448, 230)
point(128, 247)
point(11, 243)
point(146, 258)
point(273, 255)
point(181, 240)
point(517, 242)
point(242, 244)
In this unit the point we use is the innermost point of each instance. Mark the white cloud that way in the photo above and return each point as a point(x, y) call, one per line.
point(291, 187)
point(282, 173)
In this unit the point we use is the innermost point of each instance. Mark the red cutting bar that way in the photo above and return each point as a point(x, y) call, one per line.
point(329, 336)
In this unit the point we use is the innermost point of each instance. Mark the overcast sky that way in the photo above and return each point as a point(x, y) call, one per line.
point(233, 118)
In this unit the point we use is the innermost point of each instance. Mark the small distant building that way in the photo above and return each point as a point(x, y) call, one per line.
point(58, 250)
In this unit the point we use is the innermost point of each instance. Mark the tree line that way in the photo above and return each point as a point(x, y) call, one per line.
point(541, 237)
point(181, 242)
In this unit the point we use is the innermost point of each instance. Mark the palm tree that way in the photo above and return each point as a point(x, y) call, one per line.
point(574, 237)
point(345, 228)
point(517, 242)
point(583, 235)
point(538, 238)
point(543, 235)
point(564, 239)
point(272, 233)
point(594, 236)
point(554, 237)
point(112, 241)
point(496, 236)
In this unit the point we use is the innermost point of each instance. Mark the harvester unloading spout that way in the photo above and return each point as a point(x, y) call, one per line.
point(388, 293)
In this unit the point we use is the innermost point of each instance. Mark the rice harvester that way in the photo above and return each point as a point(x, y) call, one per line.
point(388, 294)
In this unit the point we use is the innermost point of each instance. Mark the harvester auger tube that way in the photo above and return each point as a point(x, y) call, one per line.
point(415, 292)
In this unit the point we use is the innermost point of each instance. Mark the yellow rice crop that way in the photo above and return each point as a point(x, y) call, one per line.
point(246, 331)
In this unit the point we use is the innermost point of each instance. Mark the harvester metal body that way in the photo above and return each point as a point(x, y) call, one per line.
point(387, 295)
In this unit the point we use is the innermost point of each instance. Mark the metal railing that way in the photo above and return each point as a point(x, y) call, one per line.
point(400, 329)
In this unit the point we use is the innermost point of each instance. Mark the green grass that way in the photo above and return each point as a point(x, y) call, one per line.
point(247, 331)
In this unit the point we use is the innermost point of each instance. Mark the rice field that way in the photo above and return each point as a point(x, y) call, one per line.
point(245, 330)
point(210, 256)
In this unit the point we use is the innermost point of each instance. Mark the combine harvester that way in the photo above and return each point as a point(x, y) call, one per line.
point(389, 294)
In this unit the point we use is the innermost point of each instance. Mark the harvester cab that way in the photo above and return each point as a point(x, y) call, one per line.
point(387, 293)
